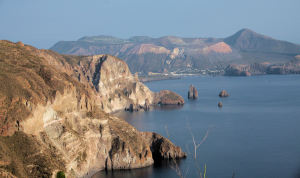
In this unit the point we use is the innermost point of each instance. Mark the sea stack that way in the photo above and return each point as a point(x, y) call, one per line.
point(223, 94)
point(147, 105)
point(192, 93)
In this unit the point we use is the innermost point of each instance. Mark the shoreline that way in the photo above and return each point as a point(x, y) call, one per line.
point(146, 79)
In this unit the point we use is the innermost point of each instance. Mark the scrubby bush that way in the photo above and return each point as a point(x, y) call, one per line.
point(60, 174)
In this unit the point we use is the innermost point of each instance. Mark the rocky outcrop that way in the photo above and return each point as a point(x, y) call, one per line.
point(223, 94)
point(192, 93)
point(220, 104)
point(54, 114)
point(114, 83)
point(166, 97)
point(162, 148)
point(147, 105)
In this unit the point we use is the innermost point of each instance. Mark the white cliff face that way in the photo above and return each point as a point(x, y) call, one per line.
point(116, 86)
point(119, 86)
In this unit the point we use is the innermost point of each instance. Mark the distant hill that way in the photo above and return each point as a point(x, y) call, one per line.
point(185, 55)
point(250, 41)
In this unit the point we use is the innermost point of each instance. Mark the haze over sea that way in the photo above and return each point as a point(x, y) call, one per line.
point(255, 134)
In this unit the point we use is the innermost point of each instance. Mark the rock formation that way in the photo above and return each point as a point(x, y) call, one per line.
point(192, 93)
point(166, 97)
point(223, 93)
point(114, 83)
point(161, 147)
point(147, 105)
point(220, 104)
point(54, 114)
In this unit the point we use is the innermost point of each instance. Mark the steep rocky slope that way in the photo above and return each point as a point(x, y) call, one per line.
point(185, 55)
point(113, 82)
point(53, 114)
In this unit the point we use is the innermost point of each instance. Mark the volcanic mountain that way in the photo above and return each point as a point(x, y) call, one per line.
point(183, 55)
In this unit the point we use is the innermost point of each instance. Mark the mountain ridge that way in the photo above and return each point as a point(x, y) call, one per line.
point(186, 55)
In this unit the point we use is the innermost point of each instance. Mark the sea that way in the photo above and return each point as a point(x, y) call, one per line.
point(256, 134)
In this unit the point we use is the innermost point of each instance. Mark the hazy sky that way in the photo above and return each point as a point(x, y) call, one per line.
point(44, 22)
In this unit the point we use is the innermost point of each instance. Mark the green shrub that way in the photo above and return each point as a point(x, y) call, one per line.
point(60, 174)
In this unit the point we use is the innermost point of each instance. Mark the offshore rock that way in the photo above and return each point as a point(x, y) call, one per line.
point(223, 93)
point(162, 148)
point(166, 97)
point(192, 93)
point(220, 104)
point(147, 105)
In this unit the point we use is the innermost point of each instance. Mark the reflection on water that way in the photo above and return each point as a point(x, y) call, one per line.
point(159, 169)
point(142, 172)
point(168, 107)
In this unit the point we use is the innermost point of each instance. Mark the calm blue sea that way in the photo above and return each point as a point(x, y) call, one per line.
point(255, 135)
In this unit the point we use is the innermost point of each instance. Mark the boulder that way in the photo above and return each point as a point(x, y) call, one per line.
point(192, 93)
point(166, 97)
point(223, 93)
point(162, 148)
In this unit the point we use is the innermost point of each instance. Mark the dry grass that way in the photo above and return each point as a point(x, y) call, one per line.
point(24, 157)
point(27, 79)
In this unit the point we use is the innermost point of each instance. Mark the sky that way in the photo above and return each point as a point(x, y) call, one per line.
point(42, 23)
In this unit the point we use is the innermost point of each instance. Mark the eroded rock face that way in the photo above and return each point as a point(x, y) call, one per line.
point(223, 93)
point(114, 83)
point(192, 93)
point(162, 148)
point(88, 140)
point(166, 97)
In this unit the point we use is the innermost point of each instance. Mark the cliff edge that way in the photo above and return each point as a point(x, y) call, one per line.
point(54, 114)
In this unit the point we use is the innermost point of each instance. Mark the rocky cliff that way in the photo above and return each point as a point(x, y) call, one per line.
point(54, 114)
point(114, 83)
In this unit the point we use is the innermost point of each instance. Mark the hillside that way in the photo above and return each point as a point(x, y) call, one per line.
point(54, 114)
point(185, 55)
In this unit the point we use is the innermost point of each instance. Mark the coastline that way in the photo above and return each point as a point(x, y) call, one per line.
point(148, 78)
